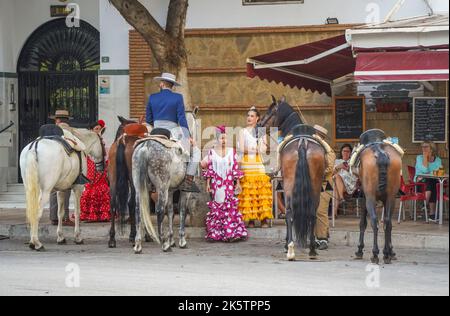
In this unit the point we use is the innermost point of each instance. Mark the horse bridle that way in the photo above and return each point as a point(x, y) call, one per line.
point(101, 164)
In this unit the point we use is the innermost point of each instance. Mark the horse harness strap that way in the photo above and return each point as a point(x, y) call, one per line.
point(355, 158)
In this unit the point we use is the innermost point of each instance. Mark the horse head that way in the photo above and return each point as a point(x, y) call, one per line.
point(95, 147)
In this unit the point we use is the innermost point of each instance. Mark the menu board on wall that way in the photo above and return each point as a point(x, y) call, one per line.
point(349, 118)
point(430, 120)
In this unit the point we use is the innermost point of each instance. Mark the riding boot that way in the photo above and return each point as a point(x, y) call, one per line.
point(189, 185)
point(82, 179)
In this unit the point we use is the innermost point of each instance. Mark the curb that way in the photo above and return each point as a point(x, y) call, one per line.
point(277, 233)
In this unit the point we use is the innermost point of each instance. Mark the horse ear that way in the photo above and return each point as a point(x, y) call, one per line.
point(196, 110)
point(274, 100)
point(122, 120)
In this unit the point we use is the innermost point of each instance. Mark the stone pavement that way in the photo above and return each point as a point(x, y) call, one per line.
point(412, 235)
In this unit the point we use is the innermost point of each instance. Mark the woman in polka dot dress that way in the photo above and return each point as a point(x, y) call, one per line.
point(224, 222)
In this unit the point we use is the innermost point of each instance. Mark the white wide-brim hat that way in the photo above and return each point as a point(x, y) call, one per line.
point(169, 78)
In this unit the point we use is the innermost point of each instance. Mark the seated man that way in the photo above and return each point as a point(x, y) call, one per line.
point(165, 110)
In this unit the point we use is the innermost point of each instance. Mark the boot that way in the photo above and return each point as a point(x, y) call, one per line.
point(189, 185)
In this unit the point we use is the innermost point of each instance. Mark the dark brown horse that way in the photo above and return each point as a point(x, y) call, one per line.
point(303, 168)
point(380, 174)
point(123, 193)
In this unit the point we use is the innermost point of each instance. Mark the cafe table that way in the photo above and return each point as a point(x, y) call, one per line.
point(442, 180)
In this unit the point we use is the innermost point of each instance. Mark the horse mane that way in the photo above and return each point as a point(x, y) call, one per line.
point(286, 119)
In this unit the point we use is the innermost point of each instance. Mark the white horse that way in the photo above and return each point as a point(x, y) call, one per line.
point(46, 167)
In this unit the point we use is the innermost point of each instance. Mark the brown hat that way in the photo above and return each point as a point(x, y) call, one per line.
point(61, 114)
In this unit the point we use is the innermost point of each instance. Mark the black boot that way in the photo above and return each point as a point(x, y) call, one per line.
point(189, 185)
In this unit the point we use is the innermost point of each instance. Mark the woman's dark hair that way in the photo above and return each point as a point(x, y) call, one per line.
point(93, 125)
point(343, 147)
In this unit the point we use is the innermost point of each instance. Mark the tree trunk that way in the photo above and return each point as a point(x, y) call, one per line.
point(168, 46)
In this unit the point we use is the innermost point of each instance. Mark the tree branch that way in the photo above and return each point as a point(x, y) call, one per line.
point(138, 16)
point(176, 18)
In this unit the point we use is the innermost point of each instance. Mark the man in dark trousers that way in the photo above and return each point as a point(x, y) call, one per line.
point(166, 110)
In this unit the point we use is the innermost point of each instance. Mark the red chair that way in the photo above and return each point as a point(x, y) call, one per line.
point(411, 194)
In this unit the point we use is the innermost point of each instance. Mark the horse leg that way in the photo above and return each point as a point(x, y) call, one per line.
point(171, 215)
point(132, 211)
point(78, 190)
point(312, 241)
point(141, 227)
point(362, 231)
point(160, 211)
point(290, 239)
point(35, 244)
point(371, 207)
point(113, 207)
point(183, 210)
point(60, 232)
point(389, 254)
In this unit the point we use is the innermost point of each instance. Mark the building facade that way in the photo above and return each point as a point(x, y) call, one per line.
point(114, 74)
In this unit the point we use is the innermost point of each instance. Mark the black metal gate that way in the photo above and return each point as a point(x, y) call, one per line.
point(42, 93)
point(58, 70)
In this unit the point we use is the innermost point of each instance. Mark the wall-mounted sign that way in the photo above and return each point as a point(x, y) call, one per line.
point(105, 85)
point(430, 120)
point(105, 59)
point(349, 118)
point(57, 11)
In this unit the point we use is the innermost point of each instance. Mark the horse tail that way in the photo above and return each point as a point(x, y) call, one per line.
point(383, 162)
point(32, 189)
point(122, 187)
point(302, 202)
point(144, 195)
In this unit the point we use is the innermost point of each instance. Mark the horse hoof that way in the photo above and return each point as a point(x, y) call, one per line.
point(313, 255)
point(375, 260)
point(183, 244)
point(112, 244)
point(62, 242)
point(79, 243)
point(40, 249)
point(291, 258)
point(387, 260)
point(138, 252)
point(167, 249)
point(359, 255)
point(32, 246)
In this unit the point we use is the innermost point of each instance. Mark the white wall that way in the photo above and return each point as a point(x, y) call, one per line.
point(29, 15)
point(6, 37)
point(231, 13)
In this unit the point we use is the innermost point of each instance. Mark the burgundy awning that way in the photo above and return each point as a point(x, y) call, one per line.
point(403, 66)
point(312, 66)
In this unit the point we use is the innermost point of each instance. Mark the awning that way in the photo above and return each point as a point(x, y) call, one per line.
point(403, 66)
point(313, 66)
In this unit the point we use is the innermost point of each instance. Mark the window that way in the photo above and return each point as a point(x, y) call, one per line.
point(255, 2)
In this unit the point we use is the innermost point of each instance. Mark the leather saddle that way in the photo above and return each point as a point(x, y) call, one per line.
point(303, 130)
point(55, 133)
point(136, 130)
point(372, 136)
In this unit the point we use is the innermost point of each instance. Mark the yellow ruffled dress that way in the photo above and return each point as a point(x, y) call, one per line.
point(255, 201)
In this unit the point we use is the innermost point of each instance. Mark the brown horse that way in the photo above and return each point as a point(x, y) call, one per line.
point(303, 169)
point(380, 174)
point(119, 175)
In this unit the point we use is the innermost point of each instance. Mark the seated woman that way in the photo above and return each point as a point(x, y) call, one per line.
point(223, 222)
point(344, 180)
point(426, 164)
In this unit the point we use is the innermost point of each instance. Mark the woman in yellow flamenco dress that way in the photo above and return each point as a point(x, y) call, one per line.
point(255, 200)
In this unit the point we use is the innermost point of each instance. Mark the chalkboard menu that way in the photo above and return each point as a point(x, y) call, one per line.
point(430, 120)
point(349, 118)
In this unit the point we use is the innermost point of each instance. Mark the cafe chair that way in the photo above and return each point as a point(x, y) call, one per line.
point(412, 194)
point(444, 197)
